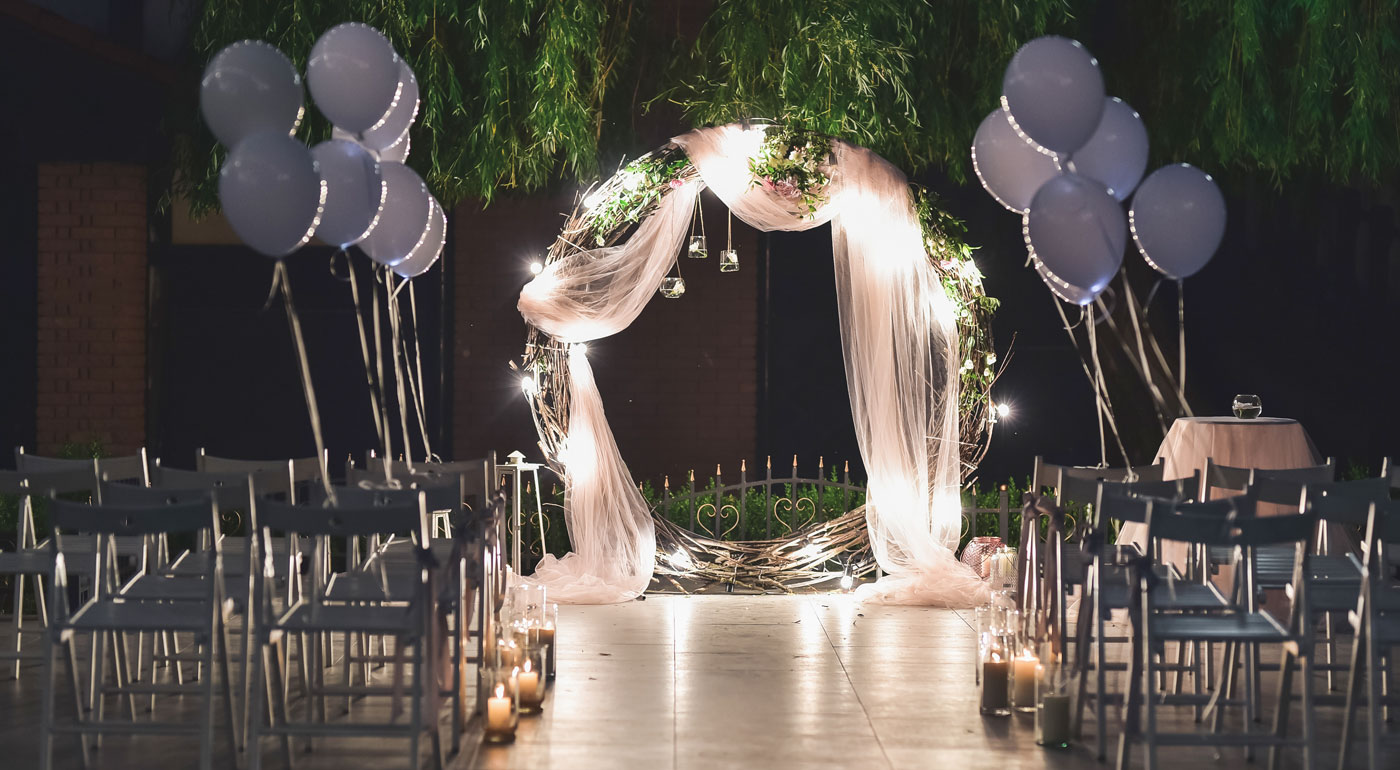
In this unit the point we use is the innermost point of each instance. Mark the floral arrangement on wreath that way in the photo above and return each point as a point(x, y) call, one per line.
point(794, 164)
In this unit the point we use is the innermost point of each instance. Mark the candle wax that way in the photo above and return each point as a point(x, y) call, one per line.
point(1052, 721)
point(1024, 675)
point(994, 685)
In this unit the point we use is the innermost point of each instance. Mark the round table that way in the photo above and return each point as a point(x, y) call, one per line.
point(1261, 442)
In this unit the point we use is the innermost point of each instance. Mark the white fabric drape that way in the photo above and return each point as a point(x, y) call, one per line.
point(899, 337)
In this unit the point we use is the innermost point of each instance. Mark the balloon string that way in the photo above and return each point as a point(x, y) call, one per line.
point(1084, 314)
point(379, 371)
point(1181, 335)
point(420, 392)
point(1106, 403)
point(1141, 365)
point(396, 340)
point(374, 389)
point(1162, 362)
point(281, 280)
point(1093, 381)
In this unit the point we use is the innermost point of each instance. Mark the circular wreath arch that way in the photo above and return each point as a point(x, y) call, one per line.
point(607, 262)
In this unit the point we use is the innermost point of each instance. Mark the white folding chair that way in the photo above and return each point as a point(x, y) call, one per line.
point(1241, 627)
point(408, 621)
point(32, 560)
point(108, 613)
point(1376, 621)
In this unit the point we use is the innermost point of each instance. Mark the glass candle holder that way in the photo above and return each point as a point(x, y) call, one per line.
point(508, 651)
point(1054, 687)
point(695, 248)
point(672, 286)
point(547, 637)
point(1024, 675)
point(1247, 406)
point(502, 704)
point(729, 261)
point(996, 676)
point(527, 602)
point(981, 623)
point(1003, 569)
point(531, 680)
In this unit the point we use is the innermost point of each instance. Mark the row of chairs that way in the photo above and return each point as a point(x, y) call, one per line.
point(1182, 605)
point(286, 578)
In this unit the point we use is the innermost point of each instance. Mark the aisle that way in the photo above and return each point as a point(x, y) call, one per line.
point(767, 682)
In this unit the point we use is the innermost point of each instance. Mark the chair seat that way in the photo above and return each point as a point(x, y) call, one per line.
point(395, 619)
point(121, 615)
point(1247, 627)
point(1276, 571)
point(165, 588)
point(1181, 596)
point(26, 562)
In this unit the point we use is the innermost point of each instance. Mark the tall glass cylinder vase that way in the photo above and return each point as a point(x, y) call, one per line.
point(1055, 685)
point(502, 701)
point(995, 657)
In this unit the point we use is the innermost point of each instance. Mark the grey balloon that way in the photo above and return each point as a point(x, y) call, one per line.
point(1010, 167)
point(1054, 90)
point(400, 115)
point(1063, 289)
point(404, 218)
point(1077, 230)
point(1178, 219)
point(426, 253)
point(396, 152)
point(1117, 152)
point(248, 87)
point(354, 191)
point(271, 193)
point(353, 74)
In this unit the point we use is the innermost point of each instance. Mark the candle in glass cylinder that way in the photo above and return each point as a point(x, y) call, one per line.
point(531, 689)
point(1023, 677)
point(994, 685)
point(1052, 721)
point(547, 639)
point(500, 717)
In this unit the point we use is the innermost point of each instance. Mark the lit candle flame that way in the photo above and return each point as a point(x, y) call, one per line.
point(500, 691)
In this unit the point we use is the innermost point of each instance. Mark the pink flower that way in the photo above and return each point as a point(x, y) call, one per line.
point(768, 183)
point(676, 184)
point(787, 189)
point(946, 264)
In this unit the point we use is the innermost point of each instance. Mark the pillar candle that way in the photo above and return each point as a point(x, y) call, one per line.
point(994, 685)
point(1052, 721)
point(498, 711)
point(1024, 676)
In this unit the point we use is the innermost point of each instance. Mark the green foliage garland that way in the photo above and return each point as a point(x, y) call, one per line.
point(520, 93)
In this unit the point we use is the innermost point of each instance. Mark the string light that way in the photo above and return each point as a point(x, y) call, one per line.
point(528, 384)
point(1003, 410)
point(536, 268)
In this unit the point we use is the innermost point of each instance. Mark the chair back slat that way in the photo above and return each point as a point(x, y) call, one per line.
point(343, 521)
point(443, 493)
point(77, 479)
point(1181, 490)
point(1050, 474)
point(1227, 522)
point(125, 468)
point(1112, 504)
point(1347, 502)
point(127, 520)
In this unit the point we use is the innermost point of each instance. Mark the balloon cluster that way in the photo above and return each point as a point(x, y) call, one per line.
point(1064, 156)
point(352, 189)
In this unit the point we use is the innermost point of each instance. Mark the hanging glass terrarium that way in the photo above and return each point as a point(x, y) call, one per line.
point(729, 261)
point(672, 286)
point(696, 249)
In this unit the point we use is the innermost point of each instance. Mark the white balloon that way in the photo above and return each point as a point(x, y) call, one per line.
point(396, 152)
point(400, 115)
point(248, 87)
point(1010, 168)
point(1077, 230)
point(1178, 219)
point(407, 206)
point(354, 191)
point(426, 253)
point(1062, 288)
point(1117, 152)
point(1054, 90)
point(271, 193)
point(353, 73)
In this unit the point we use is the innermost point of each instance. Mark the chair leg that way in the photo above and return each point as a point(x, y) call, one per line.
point(280, 713)
point(1251, 702)
point(1329, 649)
point(121, 661)
point(206, 685)
point(1309, 725)
point(77, 691)
point(1285, 695)
point(252, 723)
point(415, 719)
point(347, 667)
point(1150, 699)
point(235, 740)
point(17, 621)
point(99, 678)
point(46, 707)
point(1353, 695)
point(1101, 682)
point(1373, 698)
point(1227, 684)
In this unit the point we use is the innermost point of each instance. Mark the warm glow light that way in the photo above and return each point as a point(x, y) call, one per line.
point(528, 384)
point(536, 268)
point(847, 582)
point(681, 560)
point(500, 691)
point(580, 349)
point(1003, 410)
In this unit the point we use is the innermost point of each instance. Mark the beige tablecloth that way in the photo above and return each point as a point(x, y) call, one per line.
point(1263, 442)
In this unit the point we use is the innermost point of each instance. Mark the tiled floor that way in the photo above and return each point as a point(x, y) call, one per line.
point(714, 682)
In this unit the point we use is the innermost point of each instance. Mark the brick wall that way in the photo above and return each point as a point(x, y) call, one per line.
point(91, 378)
point(679, 385)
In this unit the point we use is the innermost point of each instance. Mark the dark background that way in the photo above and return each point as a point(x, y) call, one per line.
point(1299, 306)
